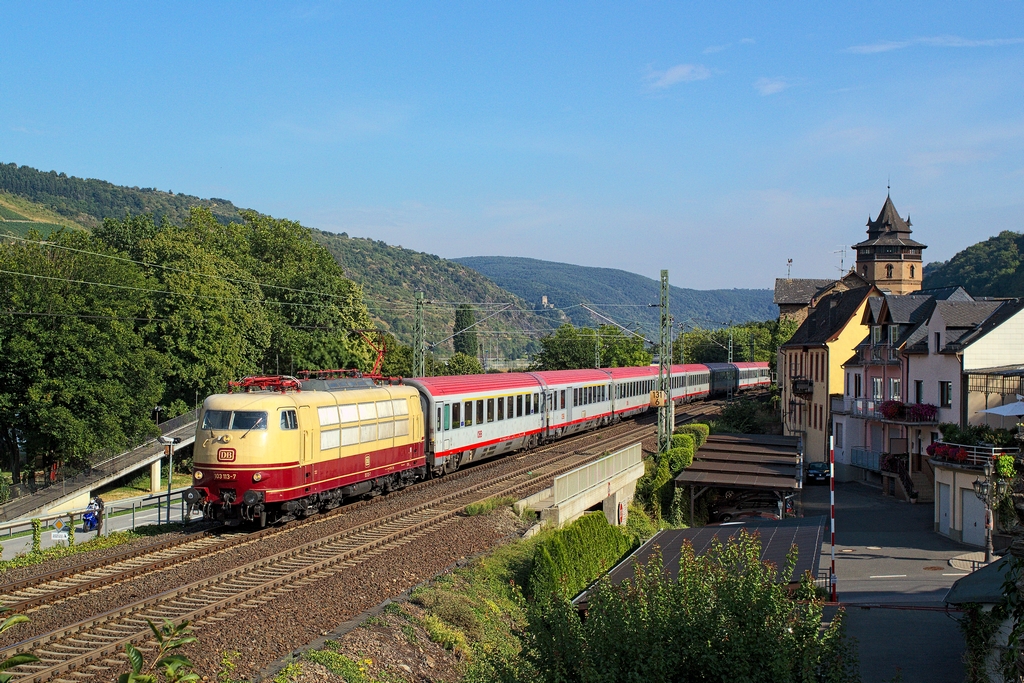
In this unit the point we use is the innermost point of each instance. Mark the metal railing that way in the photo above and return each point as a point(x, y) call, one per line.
point(868, 459)
point(114, 509)
point(974, 455)
point(573, 483)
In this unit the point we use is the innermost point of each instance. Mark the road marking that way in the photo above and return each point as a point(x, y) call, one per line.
point(889, 576)
point(962, 574)
point(874, 547)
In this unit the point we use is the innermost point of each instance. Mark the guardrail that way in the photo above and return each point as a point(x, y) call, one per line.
point(969, 455)
point(116, 508)
point(590, 475)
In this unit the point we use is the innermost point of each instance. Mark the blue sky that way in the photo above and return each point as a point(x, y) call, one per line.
point(713, 141)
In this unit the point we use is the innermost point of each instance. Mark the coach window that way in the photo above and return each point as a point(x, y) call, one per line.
point(480, 412)
point(437, 424)
point(469, 414)
point(501, 407)
point(490, 410)
point(563, 399)
point(519, 405)
point(447, 416)
point(509, 402)
point(288, 420)
point(456, 417)
point(575, 397)
point(536, 403)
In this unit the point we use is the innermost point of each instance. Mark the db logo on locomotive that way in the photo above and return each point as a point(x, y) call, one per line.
point(225, 455)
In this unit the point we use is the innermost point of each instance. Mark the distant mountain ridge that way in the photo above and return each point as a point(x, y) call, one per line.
point(624, 296)
point(993, 267)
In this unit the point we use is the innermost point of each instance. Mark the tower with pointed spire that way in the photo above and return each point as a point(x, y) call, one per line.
point(888, 258)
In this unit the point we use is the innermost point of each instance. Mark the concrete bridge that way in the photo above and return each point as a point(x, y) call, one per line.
point(609, 481)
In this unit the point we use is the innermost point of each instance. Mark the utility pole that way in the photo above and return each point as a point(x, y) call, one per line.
point(729, 397)
point(419, 345)
point(597, 347)
point(666, 417)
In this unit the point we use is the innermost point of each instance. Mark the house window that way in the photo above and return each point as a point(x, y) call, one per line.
point(857, 386)
point(847, 391)
point(946, 394)
point(876, 334)
point(839, 435)
point(938, 343)
point(894, 333)
point(888, 271)
point(918, 391)
point(911, 272)
point(876, 388)
point(894, 389)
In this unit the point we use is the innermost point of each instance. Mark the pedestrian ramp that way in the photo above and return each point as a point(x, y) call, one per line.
point(609, 481)
point(74, 492)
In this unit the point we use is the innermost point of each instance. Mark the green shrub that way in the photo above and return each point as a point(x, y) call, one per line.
point(340, 664)
point(662, 486)
point(1004, 467)
point(37, 535)
point(5, 490)
point(698, 431)
point(444, 635)
point(571, 558)
point(639, 526)
point(489, 505)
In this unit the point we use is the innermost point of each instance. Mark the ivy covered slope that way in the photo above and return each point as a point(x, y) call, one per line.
point(390, 277)
point(87, 201)
point(566, 285)
point(994, 267)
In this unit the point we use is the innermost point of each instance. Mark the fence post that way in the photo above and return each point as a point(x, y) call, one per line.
point(133, 515)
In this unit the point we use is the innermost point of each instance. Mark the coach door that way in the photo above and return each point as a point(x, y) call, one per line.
point(442, 436)
point(306, 449)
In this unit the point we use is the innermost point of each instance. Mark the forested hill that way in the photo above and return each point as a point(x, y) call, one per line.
point(391, 276)
point(88, 201)
point(994, 267)
point(626, 295)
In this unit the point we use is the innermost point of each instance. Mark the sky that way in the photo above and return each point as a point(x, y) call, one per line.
point(714, 141)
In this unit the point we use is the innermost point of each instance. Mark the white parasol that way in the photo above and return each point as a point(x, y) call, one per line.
point(1009, 410)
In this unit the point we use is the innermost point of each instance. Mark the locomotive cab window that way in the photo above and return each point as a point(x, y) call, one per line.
point(243, 420)
point(289, 420)
point(217, 419)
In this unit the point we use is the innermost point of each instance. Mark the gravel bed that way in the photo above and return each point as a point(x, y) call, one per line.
point(85, 605)
point(264, 634)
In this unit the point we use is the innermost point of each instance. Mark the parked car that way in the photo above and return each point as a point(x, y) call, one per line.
point(817, 471)
point(765, 501)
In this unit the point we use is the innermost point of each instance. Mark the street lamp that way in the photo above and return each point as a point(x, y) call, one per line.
point(985, 490)
point(157, 409)
point(169, 443)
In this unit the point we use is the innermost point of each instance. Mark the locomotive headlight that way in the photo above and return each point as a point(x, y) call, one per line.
point(257, 476)
point(198, 475)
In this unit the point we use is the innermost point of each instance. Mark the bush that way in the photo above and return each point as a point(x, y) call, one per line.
point(639, 526)
point(444, 635)
point(489, 505)
point(566, 562)
point(698, 431)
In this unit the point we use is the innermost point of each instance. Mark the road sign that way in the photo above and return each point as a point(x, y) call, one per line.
point(58, 536)
point(59, 525)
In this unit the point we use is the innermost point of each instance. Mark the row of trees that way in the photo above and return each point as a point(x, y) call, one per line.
point(705, 345)
point(95, 330)
point(573, 348)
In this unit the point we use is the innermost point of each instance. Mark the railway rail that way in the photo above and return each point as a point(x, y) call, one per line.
point(92, 646)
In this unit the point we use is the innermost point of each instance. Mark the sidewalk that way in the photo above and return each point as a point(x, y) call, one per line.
point(894, 571)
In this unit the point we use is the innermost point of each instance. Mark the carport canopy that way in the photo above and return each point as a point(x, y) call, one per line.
point(744, 461)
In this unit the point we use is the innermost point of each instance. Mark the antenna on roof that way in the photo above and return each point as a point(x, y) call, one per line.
point(789, 268)
point(842, 258)
point(888, 178)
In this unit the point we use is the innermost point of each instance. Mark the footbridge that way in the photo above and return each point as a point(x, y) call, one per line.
point(75, 492)
point(609, 481)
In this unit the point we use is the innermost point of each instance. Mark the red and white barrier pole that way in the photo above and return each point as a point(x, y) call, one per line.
point(833, 580)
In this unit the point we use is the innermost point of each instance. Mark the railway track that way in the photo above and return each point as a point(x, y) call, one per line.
point(33, 592)
point(88, 647)
point(93, 646)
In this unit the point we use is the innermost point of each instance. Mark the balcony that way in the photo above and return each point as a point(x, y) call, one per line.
point(971, 456)
point(888, 411)
point(803, 386)
point(881, 354)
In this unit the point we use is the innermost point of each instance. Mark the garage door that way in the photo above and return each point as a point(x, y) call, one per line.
point(974, 518)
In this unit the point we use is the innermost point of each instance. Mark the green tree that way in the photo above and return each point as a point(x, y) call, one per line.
point(465, 339)
point(621, 350)
point(461, 364)
point(573, 348)
point(727, 617)
point(76, 374)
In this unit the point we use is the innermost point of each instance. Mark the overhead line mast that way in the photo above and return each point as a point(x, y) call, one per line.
point(419, 345)
point(666, 417)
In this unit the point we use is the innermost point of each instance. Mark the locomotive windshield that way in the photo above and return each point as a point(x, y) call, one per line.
point(238, 419)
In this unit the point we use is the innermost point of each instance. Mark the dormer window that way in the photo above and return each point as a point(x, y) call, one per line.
point(876, 334)
point(894, 333)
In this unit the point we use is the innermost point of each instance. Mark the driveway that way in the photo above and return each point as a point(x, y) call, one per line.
point(888, 555)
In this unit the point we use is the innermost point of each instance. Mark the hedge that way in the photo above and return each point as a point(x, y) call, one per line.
point(571, 558)
point(698, 431)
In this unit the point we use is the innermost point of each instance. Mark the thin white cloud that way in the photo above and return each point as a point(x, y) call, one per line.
point(680, 73)
point(935, 41)
point(770, 86)
point(711, 49)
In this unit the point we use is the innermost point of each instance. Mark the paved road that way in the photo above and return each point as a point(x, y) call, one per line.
point(887, 554)
point(21, 544)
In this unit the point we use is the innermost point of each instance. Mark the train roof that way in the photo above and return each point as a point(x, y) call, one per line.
point(746, 365)
point(446, 385)
point(570, 376)
point(637, 371)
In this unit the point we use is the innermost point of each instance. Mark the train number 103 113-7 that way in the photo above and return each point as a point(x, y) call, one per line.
point(227, 476)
